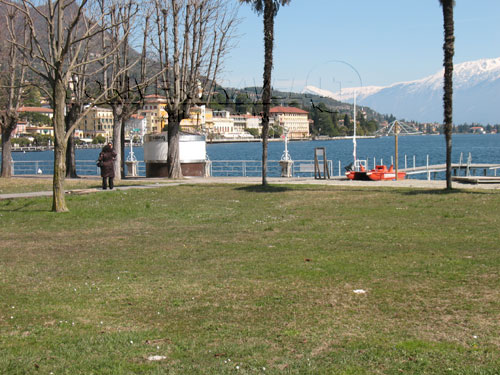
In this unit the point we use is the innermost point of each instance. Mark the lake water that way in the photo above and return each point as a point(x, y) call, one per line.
point(484, 148)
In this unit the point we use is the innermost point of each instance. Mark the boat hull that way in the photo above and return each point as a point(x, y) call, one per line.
point(387, 176)
point(381, 173)
point(357, 175)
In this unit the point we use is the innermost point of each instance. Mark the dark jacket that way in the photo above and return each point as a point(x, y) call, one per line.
point(107, 158)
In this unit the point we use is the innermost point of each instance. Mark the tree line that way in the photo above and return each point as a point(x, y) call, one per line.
point(85, 53)
point(179, 47)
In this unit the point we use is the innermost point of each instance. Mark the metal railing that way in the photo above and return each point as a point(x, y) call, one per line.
point(253, 168)
point(217, 168)
point(46, 167)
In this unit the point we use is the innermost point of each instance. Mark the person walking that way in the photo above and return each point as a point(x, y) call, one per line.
point(107, 164)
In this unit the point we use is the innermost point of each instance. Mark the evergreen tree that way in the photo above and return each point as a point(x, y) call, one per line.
point(348, 125)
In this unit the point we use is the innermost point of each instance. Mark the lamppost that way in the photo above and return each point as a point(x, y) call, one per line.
point(396, 133)
point(355, 93)
point(131, 161)
point(131, 155)
point(286, 161)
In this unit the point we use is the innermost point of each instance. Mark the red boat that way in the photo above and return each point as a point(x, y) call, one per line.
point(357, 171)
point(382, 173)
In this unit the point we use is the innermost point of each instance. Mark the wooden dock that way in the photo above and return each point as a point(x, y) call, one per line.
point(470, 170)
point(477, 179)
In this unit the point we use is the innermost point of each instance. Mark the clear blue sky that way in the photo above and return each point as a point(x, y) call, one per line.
point(387, 41)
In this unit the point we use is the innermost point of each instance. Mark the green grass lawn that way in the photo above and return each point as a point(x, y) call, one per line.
point(32, 184)
point(230, 279)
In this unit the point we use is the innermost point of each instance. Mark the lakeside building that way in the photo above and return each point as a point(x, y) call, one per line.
point(247, 121)
point(427, 128)
point(200, 120)
point(295, 120)
point(154, 112)
point(223, 123)
point(98, 121)
point(42, 130)
point(40, 110)
point(26, 128)
point(20, 128)
point(477, 130)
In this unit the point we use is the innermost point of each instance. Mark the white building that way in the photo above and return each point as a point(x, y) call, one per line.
point(244, 122)
point(223, 123)
point(293, 119)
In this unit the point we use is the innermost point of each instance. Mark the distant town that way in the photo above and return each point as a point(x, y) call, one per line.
point(34, 126)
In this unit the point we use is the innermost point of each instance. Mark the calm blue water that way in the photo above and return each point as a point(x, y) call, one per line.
point(484, 148)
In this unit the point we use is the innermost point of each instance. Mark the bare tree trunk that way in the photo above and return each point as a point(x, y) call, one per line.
point(6, 153)
point(266, 90)
point(70, 158)
point(71, 117)
point(59, 36)
point(117, 139)
point(449, 51)
point(58, 201)
point(122, 153)
point(173, 161)
point(14, 69)
point(187, 58)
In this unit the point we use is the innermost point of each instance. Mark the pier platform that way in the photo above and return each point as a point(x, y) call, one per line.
point(470, 170)
point(477, 179)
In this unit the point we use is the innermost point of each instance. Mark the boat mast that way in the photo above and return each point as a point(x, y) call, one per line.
point(354, 134)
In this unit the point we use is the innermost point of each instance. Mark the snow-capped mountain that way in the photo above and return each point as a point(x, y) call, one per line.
point(476, 95)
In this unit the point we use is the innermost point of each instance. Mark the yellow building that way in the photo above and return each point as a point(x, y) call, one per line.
point(98, 121)
point(43, 130)
point(200, 120)
point(155, 113)
point(293, 119)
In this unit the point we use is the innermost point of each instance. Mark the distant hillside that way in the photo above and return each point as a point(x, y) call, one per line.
point(250, 98)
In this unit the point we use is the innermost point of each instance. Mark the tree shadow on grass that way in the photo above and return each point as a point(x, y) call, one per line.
point(445, 192)
point(265, 188)
point(9, 207)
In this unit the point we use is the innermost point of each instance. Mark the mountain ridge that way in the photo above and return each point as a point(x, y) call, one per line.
point(475, 84)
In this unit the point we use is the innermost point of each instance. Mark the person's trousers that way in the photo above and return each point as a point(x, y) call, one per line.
point(105, 182)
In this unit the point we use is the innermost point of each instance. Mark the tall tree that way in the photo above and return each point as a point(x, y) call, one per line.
point(269, 8)
point(127, 19)
point(76, 99)
point(192, 38)
point(449, 51)
point(12, 71)
point(59, 31)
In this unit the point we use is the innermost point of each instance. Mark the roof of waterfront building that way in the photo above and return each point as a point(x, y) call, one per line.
point(35, 109)
point(155, 98)
point(282, 109)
